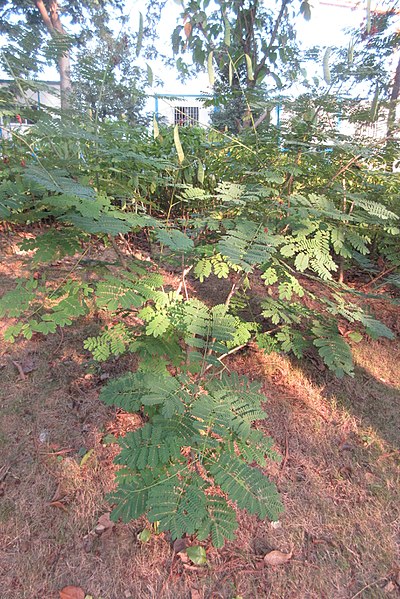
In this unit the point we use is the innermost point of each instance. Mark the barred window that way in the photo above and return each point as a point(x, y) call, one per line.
point(186, 115)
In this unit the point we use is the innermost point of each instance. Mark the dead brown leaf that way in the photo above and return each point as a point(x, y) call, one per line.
point(184, 556)
point(390, 587)
point(194, 594)
point(277, 558)
point(24, 367)
point(58, 504)
point(180, 545)
point(104, 526)
point(72, 592)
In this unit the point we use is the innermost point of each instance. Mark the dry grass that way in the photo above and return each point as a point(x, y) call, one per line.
point(339, 481)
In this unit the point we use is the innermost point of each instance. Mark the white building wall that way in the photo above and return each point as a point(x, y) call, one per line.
point(164, 107)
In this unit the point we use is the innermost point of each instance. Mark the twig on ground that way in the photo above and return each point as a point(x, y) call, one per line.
point(286, 456)
point(4, 470)
point(382, 274)
point(368, 586)
point(61, 340)
point(229, 353)
point(185, 272)
point(230, 295)
point(20, 369)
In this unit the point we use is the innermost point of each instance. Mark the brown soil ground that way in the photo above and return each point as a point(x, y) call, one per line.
point(339, 480)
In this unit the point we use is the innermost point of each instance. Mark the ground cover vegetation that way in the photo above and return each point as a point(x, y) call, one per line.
point(295, 223)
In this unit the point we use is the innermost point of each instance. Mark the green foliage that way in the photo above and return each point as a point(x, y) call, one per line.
point(52, 245)
point(333, 349)
point(271, 217)
point(248, 245)
point(172, 464)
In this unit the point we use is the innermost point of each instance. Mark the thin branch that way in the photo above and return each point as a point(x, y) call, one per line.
point(229, 353)
point(120, 255)
point(368, 586)
point(45, 15)
point(382, 274)
point(273, 38)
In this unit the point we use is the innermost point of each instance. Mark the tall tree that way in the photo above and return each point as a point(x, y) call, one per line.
point(106, 78)
point(241, 32)
point(56, 18)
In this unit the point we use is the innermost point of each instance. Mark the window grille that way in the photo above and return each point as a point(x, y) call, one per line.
point(186, 115)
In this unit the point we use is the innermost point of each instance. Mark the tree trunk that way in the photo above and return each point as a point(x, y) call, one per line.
point(51, 19)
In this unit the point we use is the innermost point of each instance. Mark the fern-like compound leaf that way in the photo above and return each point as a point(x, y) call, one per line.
point(246, 486)
point(131, 391)
point(333, 349)
point(156, 443)
point(220, 521)
point(178, 504)
point(247, 245)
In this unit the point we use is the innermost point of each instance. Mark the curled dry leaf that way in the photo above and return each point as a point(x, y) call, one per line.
point(72, 592)
point(183, 556)
point(105, 525)
point(277, 558)
point(180, 545)
point(59, 505)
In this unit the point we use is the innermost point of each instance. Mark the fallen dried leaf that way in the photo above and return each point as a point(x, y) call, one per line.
point(180, 545)
point(105, 521)
point(24, 367)
point(389, 587)
point(194, 594)
point(184, 557)
point(72, 592)
point(104, 526)
point(59, 493)
point(277, 558)
point(58, 504)
point(20, 369)
point(100, 529)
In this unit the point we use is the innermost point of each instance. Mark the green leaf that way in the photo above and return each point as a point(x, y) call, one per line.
point(197, 555)
point(249, 66)
point(150, 77)
point(210, 69)
point(158, 325)
point(247, 486)
point(305, 10)
point(139, 42)
point(326, 69)
point(333, 349)
point(156, 130)
point(178, 145)
point(175, 240)
point(301, 262)
point(200, 172)
point(355, 336)
point(145, 535)
point(227, 32)
point(86, 457)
